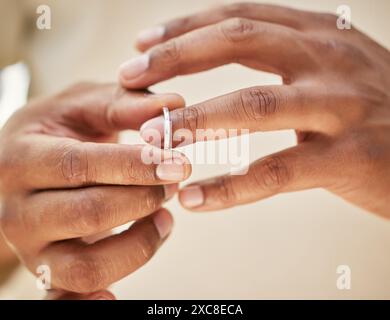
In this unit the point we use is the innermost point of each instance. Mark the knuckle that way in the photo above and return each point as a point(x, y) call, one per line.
point(193, 118)
point(153, 199)
point(168, 55)
point(87, 213)
point(225, 190)
point(259, 103)
point(274, 174)
point(74, 164)
point(148, 201)
point(237, 29)
point(360, 149)
point(83, 274)
point(339, 49)
point(132, 170)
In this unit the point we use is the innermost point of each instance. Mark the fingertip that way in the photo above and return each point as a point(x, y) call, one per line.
point(174, 168)
point(170, 190)
point(163, 222)
point(130, 70)
point(191, 197)
point(152, 129)
point(178, 101)
point(170, 100)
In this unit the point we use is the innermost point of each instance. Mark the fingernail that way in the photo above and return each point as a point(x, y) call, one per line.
point(170, 190)
point(192, 196)
point(171, 170)
point(152, 127)
point(134, 67)
point(151, 36)
point(163, 222)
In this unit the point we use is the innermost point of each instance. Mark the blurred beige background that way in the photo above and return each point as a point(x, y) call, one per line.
point(288, 246)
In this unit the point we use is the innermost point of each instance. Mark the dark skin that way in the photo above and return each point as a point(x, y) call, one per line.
point(335, 94)
point(65, 178)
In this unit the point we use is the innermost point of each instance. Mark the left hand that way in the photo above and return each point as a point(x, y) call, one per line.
point(335, 95)
point(63, 178)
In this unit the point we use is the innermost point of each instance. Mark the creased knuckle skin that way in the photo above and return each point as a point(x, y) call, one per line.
point(237, 29)
point(225, 192)
point(153, 200)
point(88, 213)
point(273, 174)
point(82, 274)
point(148, 201)
point(168, 55)
point(192, 118)
point(74, 165)
point(259, 103)
point(132, 170)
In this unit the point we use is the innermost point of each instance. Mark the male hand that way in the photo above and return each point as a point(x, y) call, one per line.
point(335, 94)
point(62, 178)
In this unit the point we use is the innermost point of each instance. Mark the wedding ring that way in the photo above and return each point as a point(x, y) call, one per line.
point(167, 129)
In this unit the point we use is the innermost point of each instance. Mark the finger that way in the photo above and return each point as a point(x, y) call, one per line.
point(63, 163)
point(255, 11)
point(265, 46)
point(298, 168)
point(93, 109)
point(88, 268)
point(66, 295)
point(73, 213)
point(255, 109)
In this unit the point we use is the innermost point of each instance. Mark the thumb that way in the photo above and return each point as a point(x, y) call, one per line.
point(92, 108)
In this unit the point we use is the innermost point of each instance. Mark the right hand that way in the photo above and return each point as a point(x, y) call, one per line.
point(62, 178)
point(335, 95)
